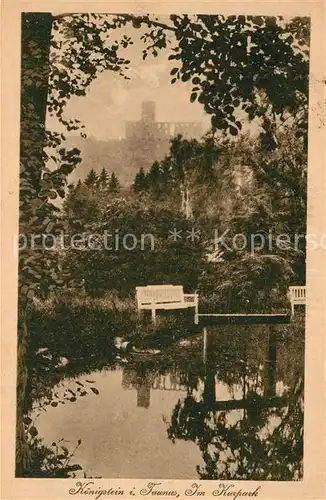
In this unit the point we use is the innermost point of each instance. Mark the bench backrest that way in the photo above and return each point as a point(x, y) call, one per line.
point(159, 293)
point(298, 293)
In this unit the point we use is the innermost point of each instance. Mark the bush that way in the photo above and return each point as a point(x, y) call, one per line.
point(251, 284)
point(79, 326)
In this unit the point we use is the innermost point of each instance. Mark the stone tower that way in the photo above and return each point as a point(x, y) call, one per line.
point(148, 112)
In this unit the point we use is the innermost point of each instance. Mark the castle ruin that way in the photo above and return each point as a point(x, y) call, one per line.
point(145, 142)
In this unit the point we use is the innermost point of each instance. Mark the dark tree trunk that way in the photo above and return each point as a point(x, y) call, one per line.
point(35, 68)
point(35, 51)
point(22, 450)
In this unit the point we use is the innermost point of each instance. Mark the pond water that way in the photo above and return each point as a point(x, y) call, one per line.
point(239, 414)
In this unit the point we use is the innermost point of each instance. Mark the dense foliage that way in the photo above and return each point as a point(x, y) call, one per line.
point(236, 189)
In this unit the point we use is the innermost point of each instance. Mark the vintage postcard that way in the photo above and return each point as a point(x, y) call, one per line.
point(163, 286)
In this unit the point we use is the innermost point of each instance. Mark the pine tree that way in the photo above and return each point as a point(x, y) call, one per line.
point(91, 178)
point(103, 179)
point(154, 174)
point(141, 181)
point(155, 178)
point(114, 185)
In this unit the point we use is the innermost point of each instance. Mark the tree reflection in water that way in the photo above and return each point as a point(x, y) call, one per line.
point(254, 430)
point(258, 437)
point(265, 444)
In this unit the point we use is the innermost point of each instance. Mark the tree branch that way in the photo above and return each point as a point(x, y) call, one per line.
point(67, 14)
point(127, 17)
point(149, 22)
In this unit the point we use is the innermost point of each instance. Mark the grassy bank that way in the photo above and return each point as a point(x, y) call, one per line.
point(77, 326)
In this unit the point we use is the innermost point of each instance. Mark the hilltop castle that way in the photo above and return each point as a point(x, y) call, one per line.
point(160, 131)
point(145, 141)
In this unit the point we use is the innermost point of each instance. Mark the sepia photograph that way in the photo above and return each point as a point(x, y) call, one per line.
point(162, 249)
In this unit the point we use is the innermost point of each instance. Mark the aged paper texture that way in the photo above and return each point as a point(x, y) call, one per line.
point(163, 287)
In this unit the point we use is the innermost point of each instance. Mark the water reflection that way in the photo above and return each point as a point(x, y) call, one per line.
point(139, 379)
point(143, 378)
point(235, 412)
point(257, 434)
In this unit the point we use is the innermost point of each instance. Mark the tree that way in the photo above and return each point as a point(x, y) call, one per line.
point(186, 169)
point(80, 208)
point(133, 248)
point(114, 185)
point(140, 183)
point(35, 70)
point(154, 179)
point(91, 179)
point(39, 186)
point(103, 178)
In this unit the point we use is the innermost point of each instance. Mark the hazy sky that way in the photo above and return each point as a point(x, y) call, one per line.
point(111, 100)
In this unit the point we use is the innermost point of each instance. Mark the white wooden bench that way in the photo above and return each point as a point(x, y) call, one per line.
point(297, 296)
point(154, 297)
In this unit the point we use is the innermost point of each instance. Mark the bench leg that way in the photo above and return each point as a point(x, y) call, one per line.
point(141, 314)
point(292, 308)
point(154, 316)
point(196, 314)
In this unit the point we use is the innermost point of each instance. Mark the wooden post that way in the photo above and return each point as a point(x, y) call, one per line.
point(271, 364)
point(209, 382)
point(154, 315)
point(244, 387)
point(209, 389)
point(204, 345)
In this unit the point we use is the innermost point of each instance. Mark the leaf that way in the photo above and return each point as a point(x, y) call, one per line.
point(193, 97)
point(233, 130)
point(79, 442)
point(229, 109)
point(75, 467)
point(90, 381)
point(65, 450)
point(33, 431)
point(27, 420)
point(218, 123)
point(95, 390)
point(72, 399)
point(174, 71)
point(54, 403)
point(49, 227)
point(185, 77)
